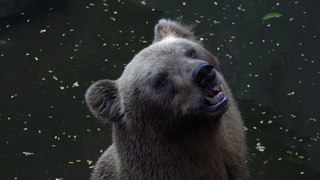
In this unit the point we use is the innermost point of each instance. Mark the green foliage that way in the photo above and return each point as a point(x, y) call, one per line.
point(271, 15)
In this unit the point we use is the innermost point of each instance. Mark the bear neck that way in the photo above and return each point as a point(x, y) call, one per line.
point(154, 156)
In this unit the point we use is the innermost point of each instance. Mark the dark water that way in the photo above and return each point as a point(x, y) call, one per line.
point(48, 57)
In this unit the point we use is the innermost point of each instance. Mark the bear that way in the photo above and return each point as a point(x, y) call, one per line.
point(173, 114)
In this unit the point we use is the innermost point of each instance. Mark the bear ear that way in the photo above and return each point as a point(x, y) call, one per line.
point(166, 28)
point(103, 100)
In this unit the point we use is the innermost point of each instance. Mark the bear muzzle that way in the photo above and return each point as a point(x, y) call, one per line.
point(216, 100)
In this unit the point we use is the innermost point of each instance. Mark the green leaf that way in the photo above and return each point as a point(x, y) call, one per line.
point(271, 15)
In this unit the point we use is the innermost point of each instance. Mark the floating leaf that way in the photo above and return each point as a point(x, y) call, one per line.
point(271, 15)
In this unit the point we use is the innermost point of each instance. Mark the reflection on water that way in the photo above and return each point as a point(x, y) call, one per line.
point(49, 58)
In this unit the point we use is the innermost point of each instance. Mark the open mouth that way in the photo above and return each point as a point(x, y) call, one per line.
point(216, 100)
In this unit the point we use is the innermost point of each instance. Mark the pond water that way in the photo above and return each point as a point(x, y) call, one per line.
point(50, 55)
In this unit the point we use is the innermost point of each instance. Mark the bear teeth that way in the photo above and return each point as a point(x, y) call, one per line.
point(213, 91)
point(210, 100)
point(221, 87)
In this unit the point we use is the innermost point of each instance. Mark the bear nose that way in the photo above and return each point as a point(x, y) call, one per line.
point(203, 75)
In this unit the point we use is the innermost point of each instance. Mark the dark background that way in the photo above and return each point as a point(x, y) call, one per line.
point(51, 51)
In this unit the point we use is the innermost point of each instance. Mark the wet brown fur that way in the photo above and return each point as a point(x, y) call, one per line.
point(161, 134)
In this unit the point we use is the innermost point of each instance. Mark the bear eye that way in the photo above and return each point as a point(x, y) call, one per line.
point(192, 53)
point(161, 81)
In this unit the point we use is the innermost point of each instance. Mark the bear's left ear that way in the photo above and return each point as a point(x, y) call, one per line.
point(166, 28)
point(103, 100)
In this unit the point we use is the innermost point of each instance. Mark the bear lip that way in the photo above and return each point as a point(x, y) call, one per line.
point(216, 100)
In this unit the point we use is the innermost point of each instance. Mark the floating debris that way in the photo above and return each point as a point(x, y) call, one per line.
point(290, 94)
point(75, 84)
point(89, 162)
point(27, 153)
point(293, 116)
point(313, 119)
point(260, 147)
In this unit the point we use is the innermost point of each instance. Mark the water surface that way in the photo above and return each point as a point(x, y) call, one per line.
point(49, 56)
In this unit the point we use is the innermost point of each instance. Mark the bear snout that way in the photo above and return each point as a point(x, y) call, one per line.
point(204, 75)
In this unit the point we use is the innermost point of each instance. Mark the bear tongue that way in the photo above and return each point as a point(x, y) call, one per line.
point(218, 98)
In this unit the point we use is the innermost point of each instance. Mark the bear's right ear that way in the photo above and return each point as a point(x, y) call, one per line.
point(166, 28)
point(103, 100)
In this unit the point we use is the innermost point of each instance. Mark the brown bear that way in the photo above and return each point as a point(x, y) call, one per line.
point(173, 115)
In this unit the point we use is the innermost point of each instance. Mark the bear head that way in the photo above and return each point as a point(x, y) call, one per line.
point(173, 83)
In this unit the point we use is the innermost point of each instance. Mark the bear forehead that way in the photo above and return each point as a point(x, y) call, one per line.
point(167, 48)
point(143, 71)
point(162, 54)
